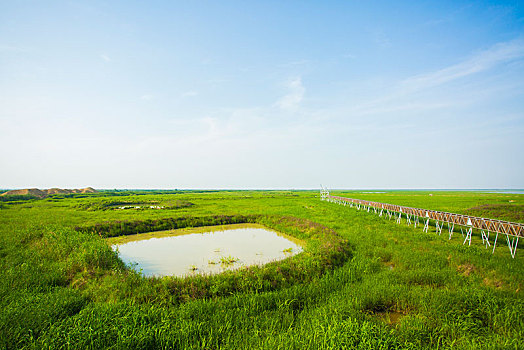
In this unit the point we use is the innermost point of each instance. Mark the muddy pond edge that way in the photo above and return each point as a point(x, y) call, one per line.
point(324, 250)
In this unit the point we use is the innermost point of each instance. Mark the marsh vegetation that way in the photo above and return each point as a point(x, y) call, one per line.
point(361, 281)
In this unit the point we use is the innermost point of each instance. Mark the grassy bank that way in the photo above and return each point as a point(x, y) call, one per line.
point(393, 287)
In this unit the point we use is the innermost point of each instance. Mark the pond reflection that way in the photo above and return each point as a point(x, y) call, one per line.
point(211, 249)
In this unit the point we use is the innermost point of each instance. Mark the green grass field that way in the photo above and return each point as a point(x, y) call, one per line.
point(362, 282)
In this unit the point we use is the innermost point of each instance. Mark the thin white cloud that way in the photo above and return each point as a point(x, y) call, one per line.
point(146, 97)
point(291, 101)
point(497, 54)
point(413, 93)
point(105, 57)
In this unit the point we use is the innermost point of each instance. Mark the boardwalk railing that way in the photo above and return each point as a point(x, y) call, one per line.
point(416, 216)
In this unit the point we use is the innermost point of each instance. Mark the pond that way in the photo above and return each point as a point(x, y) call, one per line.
point(208, 250)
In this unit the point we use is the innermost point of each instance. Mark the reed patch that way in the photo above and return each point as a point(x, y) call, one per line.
point(324, 250)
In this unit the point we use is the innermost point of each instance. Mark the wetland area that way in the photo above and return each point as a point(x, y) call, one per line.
point(230, 175)
point(204, 250)
point(294, 272)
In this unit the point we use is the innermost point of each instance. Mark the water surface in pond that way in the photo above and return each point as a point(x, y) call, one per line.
point(211, 249)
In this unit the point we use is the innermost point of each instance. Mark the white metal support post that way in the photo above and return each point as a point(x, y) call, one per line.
point(485, 238)
point(512, 245)
point(426, 225)
point(468, 232)
point(438, 227)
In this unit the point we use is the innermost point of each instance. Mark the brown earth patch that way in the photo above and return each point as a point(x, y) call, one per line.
point(492, 282)
point(466, 269)
point(25, 192)
point(56, 191)
point(390, 265)
point(44, 193)
point(391, 318)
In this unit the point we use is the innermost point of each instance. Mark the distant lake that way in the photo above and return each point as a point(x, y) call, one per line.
point(505, 191)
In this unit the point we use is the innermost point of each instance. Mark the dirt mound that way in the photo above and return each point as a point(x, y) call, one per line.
point(24, 192)
point(57, 191)
point(88, 190)
point(44, 193)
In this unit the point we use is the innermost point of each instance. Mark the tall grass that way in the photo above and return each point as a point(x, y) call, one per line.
point(65, 288)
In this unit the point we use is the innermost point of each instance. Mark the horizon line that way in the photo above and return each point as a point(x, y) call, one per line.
point(286, 189)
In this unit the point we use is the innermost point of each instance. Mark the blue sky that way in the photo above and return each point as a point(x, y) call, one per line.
point(272, 94)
